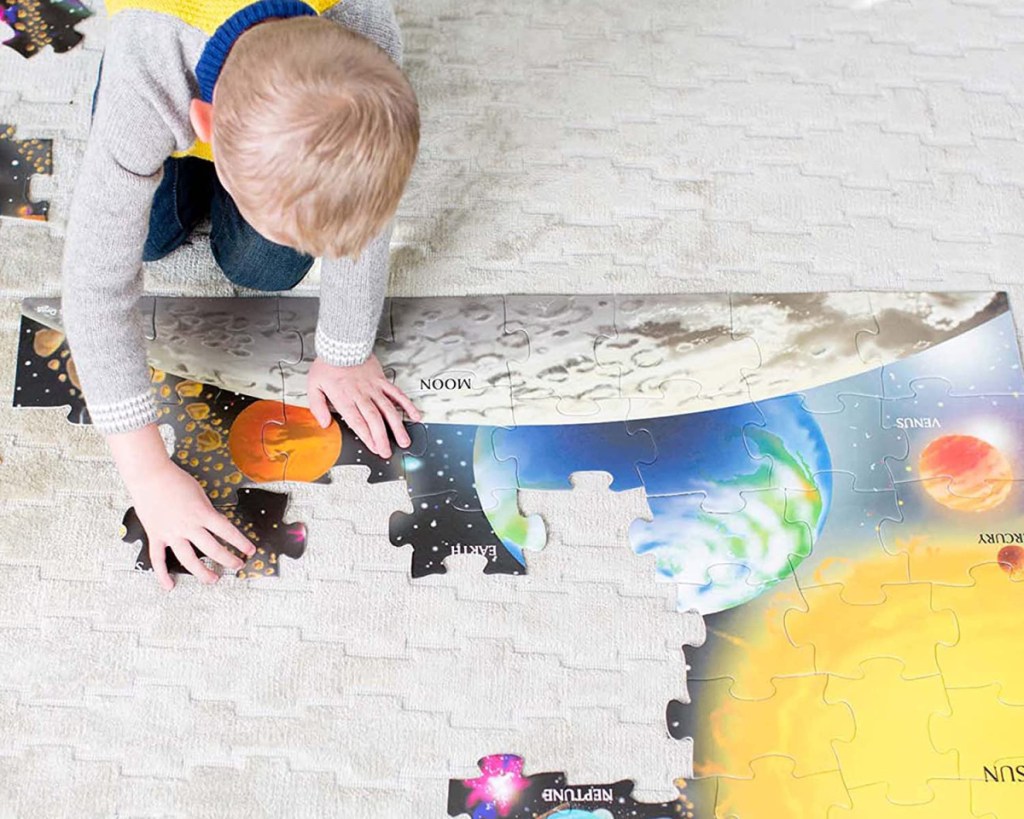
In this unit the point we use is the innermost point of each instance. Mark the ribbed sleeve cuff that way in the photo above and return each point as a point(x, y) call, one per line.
point(342, 353)
point(124, 416)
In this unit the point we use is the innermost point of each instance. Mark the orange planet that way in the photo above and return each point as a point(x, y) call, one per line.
point(965, 473)
point(271, 442)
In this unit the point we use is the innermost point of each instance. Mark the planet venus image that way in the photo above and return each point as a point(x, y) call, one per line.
point(965, 473)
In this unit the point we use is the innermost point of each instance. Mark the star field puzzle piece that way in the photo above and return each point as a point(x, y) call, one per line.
point(502, 790)
point(259, 514)
point(20, 159)
point(46, 375)
point(438, 529)
point(41, 23)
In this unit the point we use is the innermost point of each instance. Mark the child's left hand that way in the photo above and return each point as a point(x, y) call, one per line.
point(364, 398)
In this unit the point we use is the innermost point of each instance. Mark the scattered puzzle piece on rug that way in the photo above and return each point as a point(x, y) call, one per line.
point(260, 517)
point(41, 23)
point(20, 159)
point(46, 374)
point(503, 790)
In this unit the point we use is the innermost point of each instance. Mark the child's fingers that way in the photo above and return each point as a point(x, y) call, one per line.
point(158, 557)
point(318, 406)
point(402, 400)
point(394, 420)
point(227, 531)
point(187, 557)
point(373, 420)
point(208, 545)
point(351, 416)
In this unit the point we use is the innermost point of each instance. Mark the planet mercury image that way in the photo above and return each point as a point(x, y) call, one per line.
point(965, 473)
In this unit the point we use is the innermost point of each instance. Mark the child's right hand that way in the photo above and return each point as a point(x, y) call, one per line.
point(173, 509)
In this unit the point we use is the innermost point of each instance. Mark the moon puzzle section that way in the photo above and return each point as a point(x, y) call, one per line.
point(849, 525)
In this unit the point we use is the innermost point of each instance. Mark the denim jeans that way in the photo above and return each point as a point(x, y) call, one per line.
point(189, 192)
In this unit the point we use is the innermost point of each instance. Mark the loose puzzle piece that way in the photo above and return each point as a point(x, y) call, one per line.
point(502, 790)
point(41, 23)
point(258, 514)
point(776, 790)
point(20, 159)
point(892, 742)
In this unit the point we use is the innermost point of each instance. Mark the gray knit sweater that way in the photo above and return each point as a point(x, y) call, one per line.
point(141, 118)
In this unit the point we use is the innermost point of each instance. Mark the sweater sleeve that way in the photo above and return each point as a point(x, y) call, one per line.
point(351, 300)
point(352, 292)
point(107, 227)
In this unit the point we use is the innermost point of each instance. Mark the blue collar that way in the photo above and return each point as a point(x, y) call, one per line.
point(217, 47)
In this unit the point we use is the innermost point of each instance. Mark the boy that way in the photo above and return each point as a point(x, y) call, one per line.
point(315, 131)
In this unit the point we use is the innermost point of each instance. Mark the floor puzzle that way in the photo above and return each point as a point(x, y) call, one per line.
point(833, 481)
point(41, 23)
point(20, 159)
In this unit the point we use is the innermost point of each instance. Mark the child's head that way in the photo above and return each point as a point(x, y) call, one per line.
point(314, 133)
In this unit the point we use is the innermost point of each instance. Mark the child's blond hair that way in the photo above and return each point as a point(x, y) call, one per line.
point(315, 130)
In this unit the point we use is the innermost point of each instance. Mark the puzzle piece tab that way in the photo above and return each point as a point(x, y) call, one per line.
point(41, 23)
point(20, 159)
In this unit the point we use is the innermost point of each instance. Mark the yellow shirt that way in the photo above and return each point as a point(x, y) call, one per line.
point(207, 16)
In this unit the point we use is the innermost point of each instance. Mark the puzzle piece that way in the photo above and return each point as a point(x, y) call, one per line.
point(258, 514)
point(451, 356)
point(879, 630)
point(437, 529)
point(503, 790)
point(987, 614)
point(917, 329)
point(46, 374)
point(952, 799)
point(729, 732)
point(804, 340)
point(561, 376)
point(775, 783)
point(747, 644)
point(41, 23)
point(20, 159)
point(982, 729)
point(676, 353)
point(881, 699)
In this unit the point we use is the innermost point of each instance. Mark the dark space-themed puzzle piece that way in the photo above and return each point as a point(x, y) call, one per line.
point(502, 790)
point(259, 515)
point(41, 23)
point(20, 159)
point(46, 374)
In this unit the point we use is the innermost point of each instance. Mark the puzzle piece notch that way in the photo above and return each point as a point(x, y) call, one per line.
point(20, 159)
point(40, 23)
point(503, 790)
point(258, 514)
